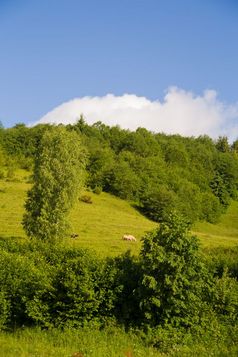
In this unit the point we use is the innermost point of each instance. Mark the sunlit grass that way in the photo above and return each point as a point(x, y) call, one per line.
point(100, 225)
point(224, 233)
point(111, 342)
point(108, 342)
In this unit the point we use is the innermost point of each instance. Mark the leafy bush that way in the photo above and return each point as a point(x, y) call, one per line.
point(24, 283)
point(86, 199)
point(97, 190)
point(157, 204)
point(174, 275)
point(222, 259)
point(4, 309)
point(78, 296)
point(225, 297)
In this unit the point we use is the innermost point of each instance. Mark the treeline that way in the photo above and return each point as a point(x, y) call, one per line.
point(157, 172)
point(169, 293)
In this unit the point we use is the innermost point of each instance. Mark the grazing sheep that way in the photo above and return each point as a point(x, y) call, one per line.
point(129, 237)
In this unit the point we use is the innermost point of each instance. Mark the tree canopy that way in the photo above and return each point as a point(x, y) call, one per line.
point(196, 176)
point(58, 176)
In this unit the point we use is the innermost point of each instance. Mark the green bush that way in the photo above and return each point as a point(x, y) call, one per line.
point(123, 282)
point(225, 297)
point(174, 277)
point(86, 199)
point(97, 190)
point(24, 284)
point(157, 204)
point(78, 295)
point(4, 309)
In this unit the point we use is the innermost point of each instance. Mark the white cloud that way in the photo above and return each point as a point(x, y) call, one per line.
point(180, 112)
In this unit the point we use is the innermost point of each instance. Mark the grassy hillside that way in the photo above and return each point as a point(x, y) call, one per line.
point(224, 233)
point(100, 225)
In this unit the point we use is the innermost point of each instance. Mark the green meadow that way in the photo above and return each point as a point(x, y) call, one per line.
point(101, 224)
point(111, 342)
point(222, 234)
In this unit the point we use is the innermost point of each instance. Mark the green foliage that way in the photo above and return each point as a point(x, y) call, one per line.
point(4, 309)
point(78, 294)
point(125, 274)
point(225, 297)
point(174, 275)
point(97, 190)
point(166, 294)
point(140, 166)
point(58, 176)
point(235, 147)
point(2, 163)
point(178, 300)
point(222, 144)
point(222, 260)
point(157, 204)
point(210, 207)
point(86, 199)
point(23, 284)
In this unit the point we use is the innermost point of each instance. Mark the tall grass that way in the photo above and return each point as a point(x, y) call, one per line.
point(85, 342)
point(111, 342)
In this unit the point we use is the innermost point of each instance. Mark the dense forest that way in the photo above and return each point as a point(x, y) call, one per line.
point(157, 173)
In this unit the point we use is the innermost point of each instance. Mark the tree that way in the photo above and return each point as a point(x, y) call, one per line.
point(158, 203)
point(58, 175)
point(174, 275)
point(235, 146)
point(222, 144)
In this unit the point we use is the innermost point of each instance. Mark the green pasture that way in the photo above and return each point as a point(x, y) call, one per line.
point(81, 343)
point(101, 224)
point(222, 234)
point(108, 342)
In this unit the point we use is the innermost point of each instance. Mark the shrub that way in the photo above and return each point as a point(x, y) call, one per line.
point(4, 309)
point(24, 283)
point(157, 204)
point(86, 199)
point(225, 296)
point(174, 276)
point(77, 295)
point(97, 190)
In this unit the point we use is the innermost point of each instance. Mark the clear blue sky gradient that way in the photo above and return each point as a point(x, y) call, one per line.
point(55, 50)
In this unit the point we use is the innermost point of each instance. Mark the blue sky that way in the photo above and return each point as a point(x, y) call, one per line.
point(56, 50)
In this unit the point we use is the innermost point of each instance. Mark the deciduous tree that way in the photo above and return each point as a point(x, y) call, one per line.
point(58, 176)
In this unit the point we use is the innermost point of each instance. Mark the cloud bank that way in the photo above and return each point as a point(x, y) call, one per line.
point(180, 112)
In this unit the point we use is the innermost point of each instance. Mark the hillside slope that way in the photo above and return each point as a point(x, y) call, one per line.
point(224, 233)
point(100, 225)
